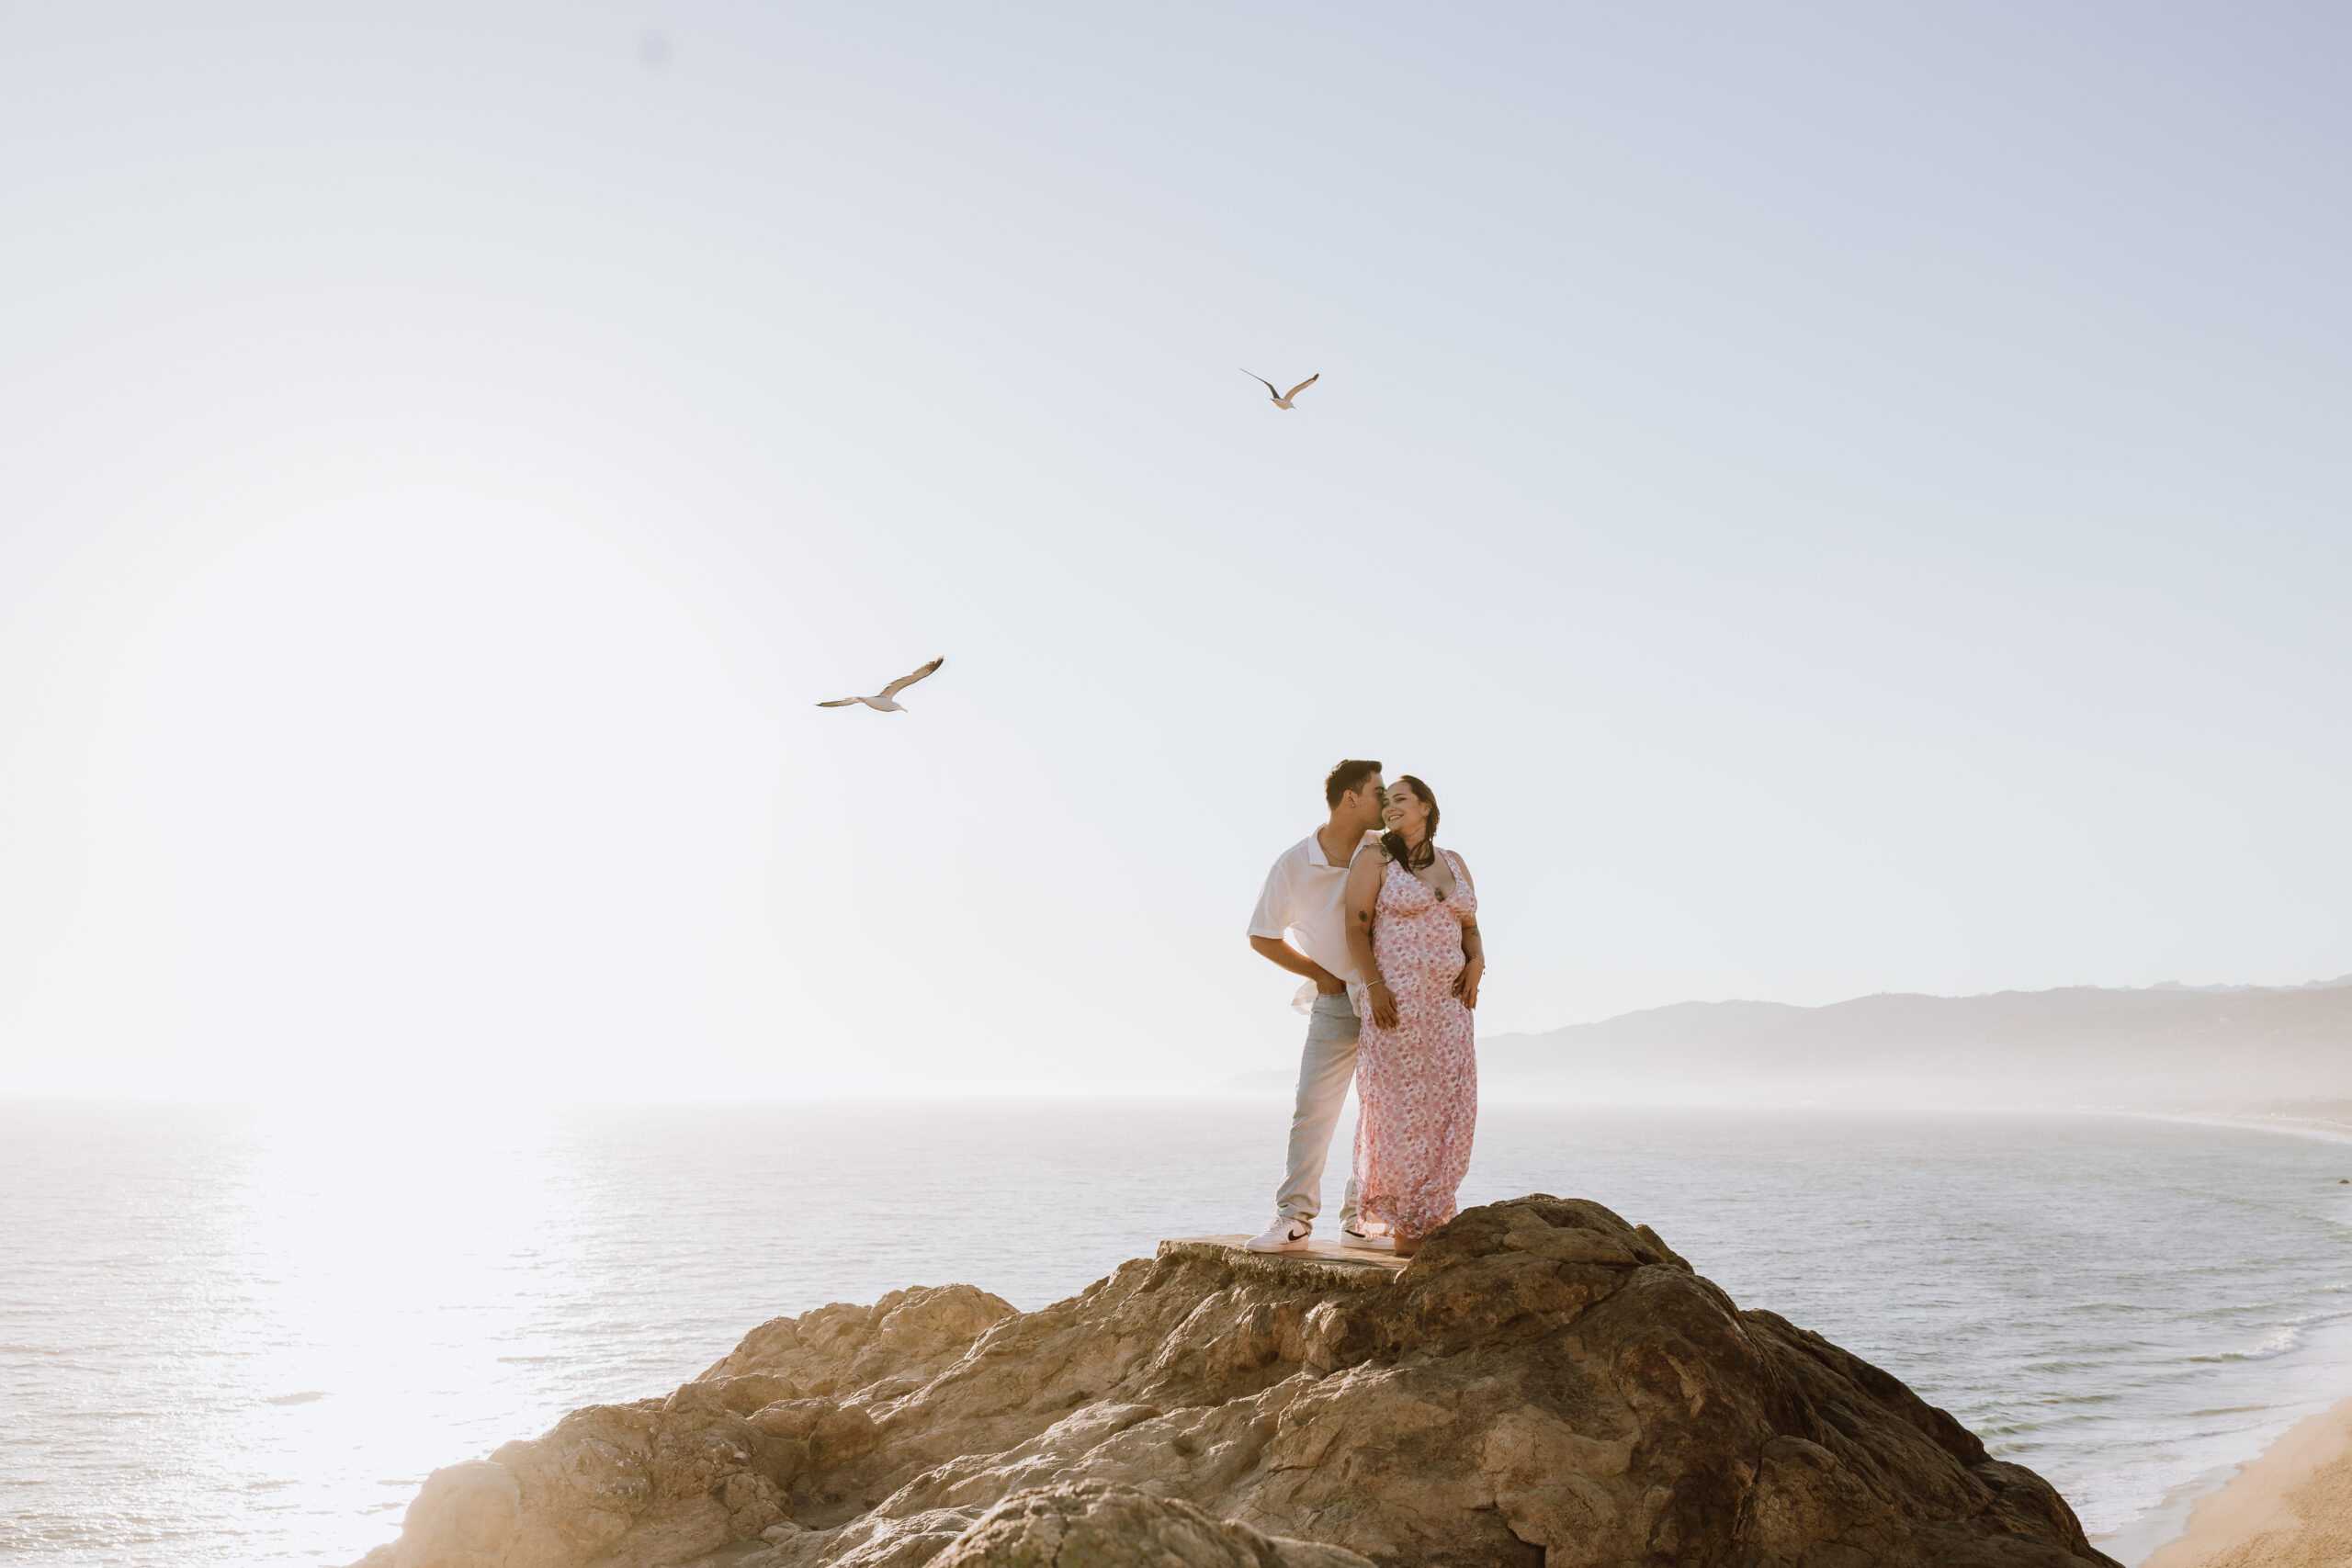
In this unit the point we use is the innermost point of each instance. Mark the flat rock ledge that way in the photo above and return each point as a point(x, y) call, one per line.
point(1542, 1385)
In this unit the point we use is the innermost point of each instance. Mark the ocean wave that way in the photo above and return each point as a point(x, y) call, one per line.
point(2284, 1339)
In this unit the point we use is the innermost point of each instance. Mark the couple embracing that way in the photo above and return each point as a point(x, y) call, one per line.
point(1385, 925)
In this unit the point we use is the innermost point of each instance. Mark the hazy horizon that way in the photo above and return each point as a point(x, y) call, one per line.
point(1833, 502)
point(1506, 1075)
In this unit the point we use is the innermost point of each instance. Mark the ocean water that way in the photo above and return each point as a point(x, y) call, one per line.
point(242, 1336)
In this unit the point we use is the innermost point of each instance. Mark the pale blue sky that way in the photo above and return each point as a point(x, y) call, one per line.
point(1833, 497)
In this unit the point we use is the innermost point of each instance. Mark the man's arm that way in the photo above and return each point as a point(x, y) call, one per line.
point(1276, 951)
point(1268, 922)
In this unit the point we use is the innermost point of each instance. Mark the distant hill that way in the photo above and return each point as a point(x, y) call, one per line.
point(2082, 1045)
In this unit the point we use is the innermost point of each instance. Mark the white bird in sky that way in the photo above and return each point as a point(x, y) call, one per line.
point(1281, 399)
point(882, 703)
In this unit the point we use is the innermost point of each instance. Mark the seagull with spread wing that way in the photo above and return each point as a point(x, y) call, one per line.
point(884, 702)
point(1281, 399)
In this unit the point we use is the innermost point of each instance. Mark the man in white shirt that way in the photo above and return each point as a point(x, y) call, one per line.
point(1306, 896)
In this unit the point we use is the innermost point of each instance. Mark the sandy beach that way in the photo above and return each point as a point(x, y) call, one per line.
point(2289, 1508)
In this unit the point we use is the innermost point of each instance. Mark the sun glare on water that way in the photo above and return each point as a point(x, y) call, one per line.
point(395, 1258)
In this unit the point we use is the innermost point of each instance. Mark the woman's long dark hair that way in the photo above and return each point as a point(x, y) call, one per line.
point(1394, 841)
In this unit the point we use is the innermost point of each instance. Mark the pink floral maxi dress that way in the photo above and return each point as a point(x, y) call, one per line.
point(1418, 1083)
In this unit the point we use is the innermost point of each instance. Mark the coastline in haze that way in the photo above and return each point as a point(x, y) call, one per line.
point(2275, 1051)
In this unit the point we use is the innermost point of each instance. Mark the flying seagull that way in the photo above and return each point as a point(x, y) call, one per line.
point(883, 703)
point(1281, 399)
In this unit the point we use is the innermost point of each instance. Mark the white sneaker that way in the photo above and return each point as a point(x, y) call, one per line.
point(1283, 1236)
point(1350, 1236)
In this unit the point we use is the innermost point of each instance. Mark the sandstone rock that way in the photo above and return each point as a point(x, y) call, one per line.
point(793, 1418)
point(908, 1338)
point(1103, 1523)
point(464, 1517)
point(724, 1395)
point(1544, 1384)
point(843, 1435)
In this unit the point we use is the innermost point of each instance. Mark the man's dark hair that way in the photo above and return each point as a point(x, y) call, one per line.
point(1346, 779)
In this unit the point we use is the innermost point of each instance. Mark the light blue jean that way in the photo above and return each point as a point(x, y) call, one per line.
point(1325, 1071)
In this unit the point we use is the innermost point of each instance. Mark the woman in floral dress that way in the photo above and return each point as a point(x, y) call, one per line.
point(1413, 931)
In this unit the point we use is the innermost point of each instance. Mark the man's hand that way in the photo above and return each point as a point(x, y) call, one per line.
point(1326, 983)
point(1465, 985)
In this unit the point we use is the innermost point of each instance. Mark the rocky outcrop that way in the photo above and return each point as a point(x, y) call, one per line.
point(1105, 1522)
point(1544, 1384)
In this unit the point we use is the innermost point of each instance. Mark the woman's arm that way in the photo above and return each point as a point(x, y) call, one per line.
point(1473, 949)
point(1473, 967)
point(1364, 892)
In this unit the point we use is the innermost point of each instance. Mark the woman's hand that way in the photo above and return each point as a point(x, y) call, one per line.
point(1384, 1005)
point(1465, 985)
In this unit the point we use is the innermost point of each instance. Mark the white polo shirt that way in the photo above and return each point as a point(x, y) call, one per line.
point(1307, 896)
